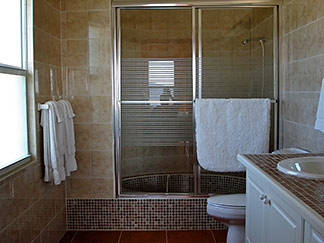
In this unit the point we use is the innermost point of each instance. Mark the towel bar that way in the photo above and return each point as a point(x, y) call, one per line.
point(42, 107)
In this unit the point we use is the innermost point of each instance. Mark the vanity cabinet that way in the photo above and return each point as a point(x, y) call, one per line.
point(268, 218)
point(312, 235)
point(278, 208)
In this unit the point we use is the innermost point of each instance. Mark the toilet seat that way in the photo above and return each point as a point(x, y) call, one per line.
point(235, 201)
point(231, 206)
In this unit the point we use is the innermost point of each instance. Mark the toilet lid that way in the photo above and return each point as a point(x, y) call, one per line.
point(228, 200)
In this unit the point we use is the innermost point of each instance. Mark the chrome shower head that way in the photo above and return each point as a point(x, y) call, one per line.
point(244, 42)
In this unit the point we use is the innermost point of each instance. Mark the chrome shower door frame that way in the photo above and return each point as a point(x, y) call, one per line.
point(196, 7)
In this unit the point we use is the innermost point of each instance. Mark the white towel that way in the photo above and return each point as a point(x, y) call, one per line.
point(70, 161)
point(52, 158)
point(61, 138)
point(46, 145)
point(319, 122)
point(227, 127)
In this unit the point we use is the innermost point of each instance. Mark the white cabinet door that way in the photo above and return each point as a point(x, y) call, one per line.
point(282, 224)
point(254, 211)
point(312, 235)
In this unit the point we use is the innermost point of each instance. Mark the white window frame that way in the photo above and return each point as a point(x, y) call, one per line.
point(19, 71)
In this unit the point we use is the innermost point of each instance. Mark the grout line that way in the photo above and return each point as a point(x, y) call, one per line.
point(53, 7)
point(305, 25)
point(47, 33)
point(166, 236)
point(74, 236)
point(120, 236)
point(212, 233)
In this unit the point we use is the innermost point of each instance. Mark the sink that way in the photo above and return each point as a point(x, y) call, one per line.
point(307, 167)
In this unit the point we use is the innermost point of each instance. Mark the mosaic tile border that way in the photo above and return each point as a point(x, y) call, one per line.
point(140, 214)
point(184, 183)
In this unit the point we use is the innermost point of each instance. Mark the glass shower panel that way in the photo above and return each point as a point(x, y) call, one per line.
point(156, 101)
point(234, 60)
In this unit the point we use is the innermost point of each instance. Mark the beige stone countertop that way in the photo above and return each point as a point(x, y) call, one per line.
point(307, 194)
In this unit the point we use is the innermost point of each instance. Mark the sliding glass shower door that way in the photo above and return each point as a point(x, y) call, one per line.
point(156, 101)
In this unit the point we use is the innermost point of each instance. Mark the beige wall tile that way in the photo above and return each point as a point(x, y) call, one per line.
point(320, 70)
point(81, 108)
point(98, 4)
point(55, 3)
point(76, 26)
point(73, 5)
point(84, 164)
point(102, 188)
point(82, 137)
point(56, 229)
point(47, 18)
point(76, 53)
point(98, 27)
point(102, 164)
point(78, 188)
point(320, 8)
point(48, 48)
point(101, 136)
point(320, 25)
point(77, 81)
point(100, 108)
point(300, 107)
point(311, 40)
point(11, 233)
point(99, 52)
point(100, 81)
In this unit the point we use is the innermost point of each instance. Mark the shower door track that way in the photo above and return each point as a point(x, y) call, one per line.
point(117, 5)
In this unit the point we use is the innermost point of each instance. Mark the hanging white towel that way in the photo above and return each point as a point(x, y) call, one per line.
point(52, 158)
point(70, 161)
point(61, 138)
point(46, 145)
point(319, 122)
point(227, 127)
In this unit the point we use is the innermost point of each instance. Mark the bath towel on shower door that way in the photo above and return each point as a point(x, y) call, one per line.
point(226, 127)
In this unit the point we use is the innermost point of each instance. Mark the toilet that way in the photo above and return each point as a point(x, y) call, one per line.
point(230, 210)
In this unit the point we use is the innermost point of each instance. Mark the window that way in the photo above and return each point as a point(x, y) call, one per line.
point(161, 80)
point(13, 122)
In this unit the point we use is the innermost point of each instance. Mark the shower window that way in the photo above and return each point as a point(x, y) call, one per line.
point(161, 80)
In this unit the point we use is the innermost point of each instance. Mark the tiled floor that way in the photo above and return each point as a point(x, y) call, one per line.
point(179, 236)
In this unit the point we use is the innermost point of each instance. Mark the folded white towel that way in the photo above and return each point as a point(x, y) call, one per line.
point(319, 122)
point(227, 127)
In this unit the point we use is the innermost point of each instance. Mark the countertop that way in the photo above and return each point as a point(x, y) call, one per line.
point(307, 193)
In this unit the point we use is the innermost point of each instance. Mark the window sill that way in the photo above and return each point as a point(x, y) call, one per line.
point(15, 167)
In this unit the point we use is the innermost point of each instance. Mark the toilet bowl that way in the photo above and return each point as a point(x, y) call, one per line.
point(230, 210)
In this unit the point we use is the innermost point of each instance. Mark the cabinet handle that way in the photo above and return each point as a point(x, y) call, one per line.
point(266, 201)
point(263, 196)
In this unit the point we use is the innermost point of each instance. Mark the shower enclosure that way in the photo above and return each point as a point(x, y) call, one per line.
point(165, 56)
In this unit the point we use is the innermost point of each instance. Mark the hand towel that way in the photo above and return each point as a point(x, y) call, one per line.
point(319, 122)
point(227, 127)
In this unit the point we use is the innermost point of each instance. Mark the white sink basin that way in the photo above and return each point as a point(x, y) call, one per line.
point(307, 167)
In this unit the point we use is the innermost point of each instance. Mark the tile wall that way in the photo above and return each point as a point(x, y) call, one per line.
point(31, 210)
point(86, 77)
point(302, 69)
